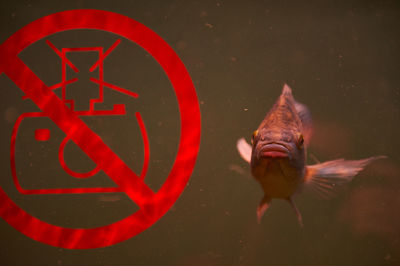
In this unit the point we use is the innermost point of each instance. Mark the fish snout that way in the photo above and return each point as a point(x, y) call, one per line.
point(273, 150)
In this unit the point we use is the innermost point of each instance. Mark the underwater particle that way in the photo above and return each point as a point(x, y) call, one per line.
point(181, 45)
point(10, 115)
point(209, 25)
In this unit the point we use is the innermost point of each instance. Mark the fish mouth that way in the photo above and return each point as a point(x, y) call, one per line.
point(274, 150)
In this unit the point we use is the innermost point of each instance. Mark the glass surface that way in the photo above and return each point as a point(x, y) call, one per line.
point(341, 59)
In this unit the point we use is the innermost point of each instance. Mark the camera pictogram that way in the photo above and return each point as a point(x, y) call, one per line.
point(44, 134)
point(73, 125)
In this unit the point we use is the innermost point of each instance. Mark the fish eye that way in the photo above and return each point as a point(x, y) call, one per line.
point(301, 140)
point(255, 133)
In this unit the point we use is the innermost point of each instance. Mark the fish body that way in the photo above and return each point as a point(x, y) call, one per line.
point(277, 155)
point(278, 152)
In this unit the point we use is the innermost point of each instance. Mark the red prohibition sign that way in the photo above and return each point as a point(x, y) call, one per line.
point(152, 204)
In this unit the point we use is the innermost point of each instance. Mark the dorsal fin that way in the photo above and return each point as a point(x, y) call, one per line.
point(286, 95)
point(305, 117)
point(286, 89)
point(302, 111)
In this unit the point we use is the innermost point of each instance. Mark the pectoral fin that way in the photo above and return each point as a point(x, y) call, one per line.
point(326, 177)
point(244, 149)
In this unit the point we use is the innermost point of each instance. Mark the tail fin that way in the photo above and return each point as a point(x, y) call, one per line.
point(325, 177)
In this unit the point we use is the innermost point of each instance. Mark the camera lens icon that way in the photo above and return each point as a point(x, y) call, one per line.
point(44, 134)
point(46, 137)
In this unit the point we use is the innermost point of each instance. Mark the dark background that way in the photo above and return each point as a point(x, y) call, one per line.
point(341, 58)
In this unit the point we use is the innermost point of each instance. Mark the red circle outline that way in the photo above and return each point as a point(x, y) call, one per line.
point(189, 135)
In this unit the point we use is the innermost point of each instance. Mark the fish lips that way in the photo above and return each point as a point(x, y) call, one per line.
point(274, 150)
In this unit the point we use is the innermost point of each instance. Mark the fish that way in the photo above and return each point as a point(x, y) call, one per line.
point(277, 157)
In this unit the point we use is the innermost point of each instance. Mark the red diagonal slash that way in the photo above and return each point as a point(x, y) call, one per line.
point(79, 132)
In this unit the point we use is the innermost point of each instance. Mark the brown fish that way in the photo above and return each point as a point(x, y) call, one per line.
point(277, 156)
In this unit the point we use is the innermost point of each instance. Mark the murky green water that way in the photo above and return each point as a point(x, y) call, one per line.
point(341, 60)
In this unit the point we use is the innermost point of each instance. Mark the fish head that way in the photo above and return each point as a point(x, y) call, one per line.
point(279, 139)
